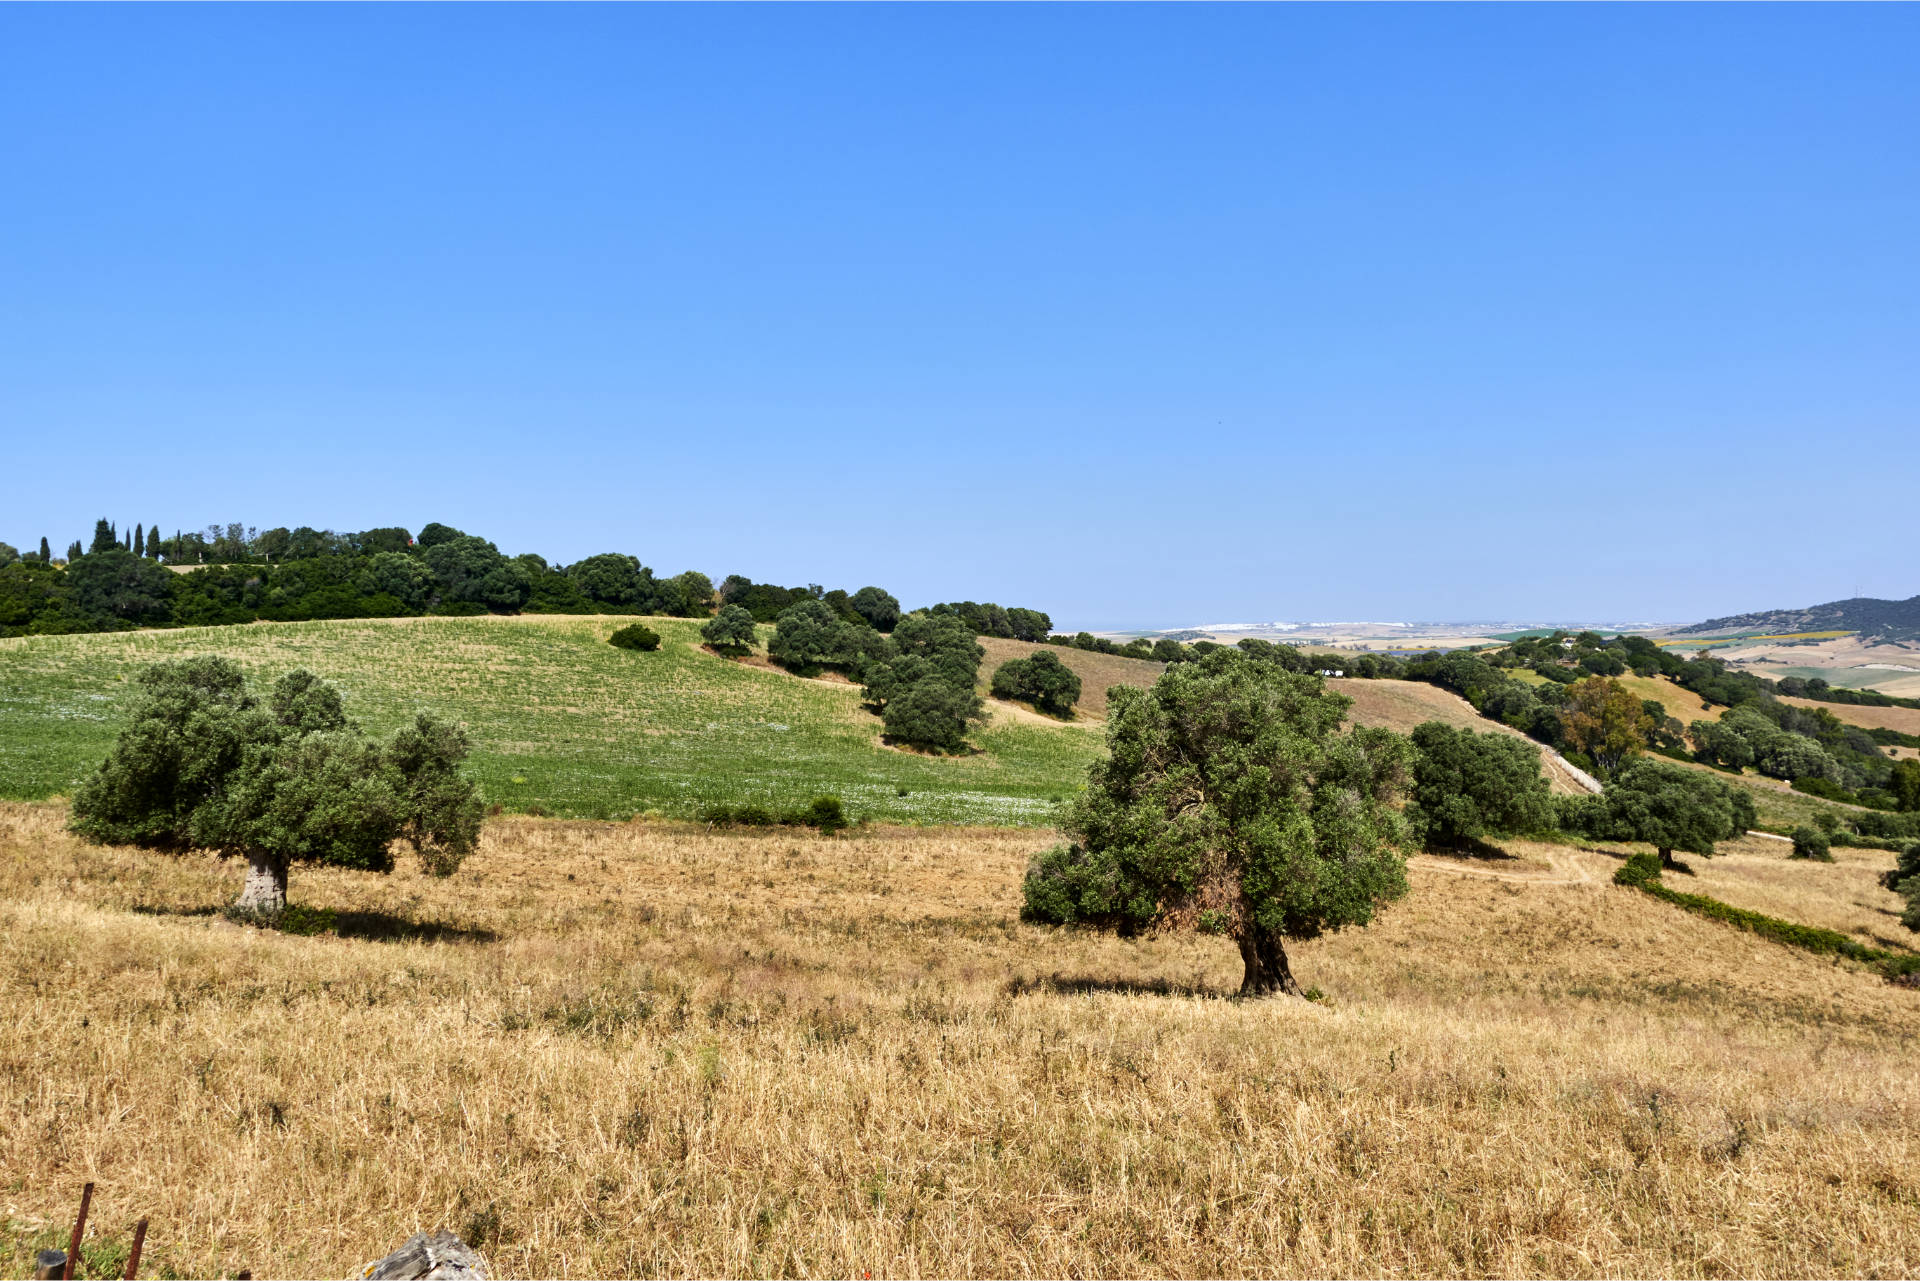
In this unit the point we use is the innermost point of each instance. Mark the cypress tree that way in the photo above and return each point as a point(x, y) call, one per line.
point(73, 551)
point(103, 536)
point(153, 543)
point(139, 545)
point(46, 552)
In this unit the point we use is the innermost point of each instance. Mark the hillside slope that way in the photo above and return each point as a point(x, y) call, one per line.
point(1874, 619)
point(1401, 705)
point(560, 720)
point(1097, 672)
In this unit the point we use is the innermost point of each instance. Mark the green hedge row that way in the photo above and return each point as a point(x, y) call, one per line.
point(1642, 872)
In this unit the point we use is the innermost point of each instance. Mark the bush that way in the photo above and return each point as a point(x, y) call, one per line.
point(635, 636)
point(824, 812)
point(1811, 843)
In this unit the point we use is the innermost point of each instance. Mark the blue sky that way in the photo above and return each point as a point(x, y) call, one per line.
point(1140, 315)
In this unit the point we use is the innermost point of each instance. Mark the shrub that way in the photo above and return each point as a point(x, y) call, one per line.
point(635, 636)
point(1811, 843)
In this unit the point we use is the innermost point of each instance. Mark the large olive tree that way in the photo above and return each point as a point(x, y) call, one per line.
point(204, 765)
point(1671, 807)
point(1231, 803)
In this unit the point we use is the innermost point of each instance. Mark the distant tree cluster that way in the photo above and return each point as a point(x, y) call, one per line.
point(872, 607)
point(993, 620)
point(121, 581)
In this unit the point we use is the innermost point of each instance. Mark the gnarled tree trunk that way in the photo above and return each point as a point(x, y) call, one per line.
point(1266, 962)
point(266, 888)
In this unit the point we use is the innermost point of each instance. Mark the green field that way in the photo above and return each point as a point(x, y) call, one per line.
point(561, 721)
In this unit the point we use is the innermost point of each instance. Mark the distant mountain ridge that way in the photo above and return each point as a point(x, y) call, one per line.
point(1874, 619)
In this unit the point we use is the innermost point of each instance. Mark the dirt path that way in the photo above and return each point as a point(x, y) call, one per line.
point(1568, 872)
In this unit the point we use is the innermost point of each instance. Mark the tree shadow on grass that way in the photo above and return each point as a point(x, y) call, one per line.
point(1074, 984)
point(306, 922)
point(383, 927)
point(1473, 848)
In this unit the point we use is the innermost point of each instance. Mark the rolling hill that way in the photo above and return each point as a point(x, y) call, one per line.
point(1872, 618)
point(561, 721)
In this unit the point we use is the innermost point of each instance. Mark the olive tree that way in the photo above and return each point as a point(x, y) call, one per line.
point(204, 765)
point(730, 631)
point(1467, 785)
point(1231, 803)
point(1041, 679)
point(1673, 808)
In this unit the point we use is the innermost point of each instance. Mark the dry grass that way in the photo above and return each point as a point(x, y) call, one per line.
point(622, 1049)
point(1401, 705)
point(1097, 672)
point(1904, 719)
point(1683, 705)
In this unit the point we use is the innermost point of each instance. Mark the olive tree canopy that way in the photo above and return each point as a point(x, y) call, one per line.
point(1231, 803)
point(204, 765)
point(1673, 808)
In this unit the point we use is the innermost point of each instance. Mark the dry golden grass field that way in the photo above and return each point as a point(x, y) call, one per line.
point(1097, 672)
point(1904, 719)
point(644, 1048)
point(1683, 705)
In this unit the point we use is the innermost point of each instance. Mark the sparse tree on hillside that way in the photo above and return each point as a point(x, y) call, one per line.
point(1604, 720)
point(1041, 679)
point(730, 631)
point(203, 765)
point(1468, 785)
point(1671, 807)
point(635, 636)
point(1231, 803)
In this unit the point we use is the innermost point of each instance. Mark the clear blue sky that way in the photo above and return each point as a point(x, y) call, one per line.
point(1141, 315)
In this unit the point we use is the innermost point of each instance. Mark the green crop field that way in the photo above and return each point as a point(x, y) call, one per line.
point(561, 721)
